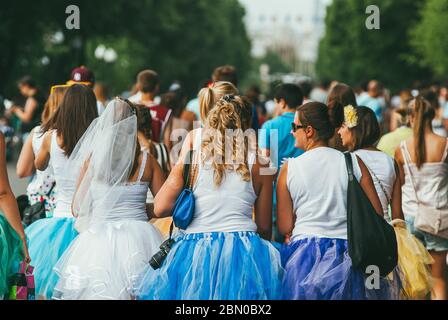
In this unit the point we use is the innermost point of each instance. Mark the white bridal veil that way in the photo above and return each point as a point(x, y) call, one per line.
point(103, 160)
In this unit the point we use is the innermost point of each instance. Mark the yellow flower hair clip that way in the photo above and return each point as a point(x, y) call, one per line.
point(350, 116)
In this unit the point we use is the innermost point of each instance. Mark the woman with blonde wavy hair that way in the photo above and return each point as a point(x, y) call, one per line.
point(224, 253)
point(207, 100)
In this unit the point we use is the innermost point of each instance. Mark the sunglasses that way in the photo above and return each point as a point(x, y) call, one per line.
point(296, 127)
point(68, 84)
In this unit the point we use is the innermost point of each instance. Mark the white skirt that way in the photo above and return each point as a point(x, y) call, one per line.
point(106, 260)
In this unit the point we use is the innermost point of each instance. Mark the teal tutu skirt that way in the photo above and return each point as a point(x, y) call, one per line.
point(216, 266)
point(10, 254)
point(48, 239)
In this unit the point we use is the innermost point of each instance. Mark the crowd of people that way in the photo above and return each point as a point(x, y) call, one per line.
point(270, 183)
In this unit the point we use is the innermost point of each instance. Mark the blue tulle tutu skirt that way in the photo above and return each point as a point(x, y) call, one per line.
point(321, 269)
point(48, 239)
point(216, 266)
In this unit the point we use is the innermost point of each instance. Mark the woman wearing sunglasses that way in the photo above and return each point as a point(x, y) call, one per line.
point(312, 206)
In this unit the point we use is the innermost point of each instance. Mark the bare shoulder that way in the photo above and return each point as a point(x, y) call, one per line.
point(441, 141)
point(188, 115)
point(397, 155)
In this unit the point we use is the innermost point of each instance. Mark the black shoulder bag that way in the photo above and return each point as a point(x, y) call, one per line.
point(36, 211)
point(371, 240)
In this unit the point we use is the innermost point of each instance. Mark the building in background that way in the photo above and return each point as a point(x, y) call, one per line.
point(291, 28)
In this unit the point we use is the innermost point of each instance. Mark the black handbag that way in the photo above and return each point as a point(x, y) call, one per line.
point(36, 211)
point(371, 240)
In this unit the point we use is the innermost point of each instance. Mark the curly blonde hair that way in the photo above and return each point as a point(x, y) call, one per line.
point(225, 140)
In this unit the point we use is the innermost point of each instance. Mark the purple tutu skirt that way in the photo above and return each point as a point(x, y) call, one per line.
point(321, 269)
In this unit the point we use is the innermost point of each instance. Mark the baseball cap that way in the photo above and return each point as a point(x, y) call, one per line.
point(82, 75)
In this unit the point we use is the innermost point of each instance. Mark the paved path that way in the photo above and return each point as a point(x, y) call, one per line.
point(18, 185)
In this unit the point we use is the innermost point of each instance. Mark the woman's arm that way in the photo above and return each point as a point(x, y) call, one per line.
point(29, 109)
point(166, 198)
point(8, 204)
point(397, 212)
point(43, 157)
point(285, 210)
point(25, 163)
point(369, 188)
point(263, 204)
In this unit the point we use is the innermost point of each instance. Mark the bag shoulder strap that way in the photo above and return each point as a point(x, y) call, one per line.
point(165, 156)
point(142, 165)
point(405, 151)
point(190, 170)
point(349, 164)
point(383, 188)
point(51, 189)
point(445, 152)
point(186, 169)
point(406, 158)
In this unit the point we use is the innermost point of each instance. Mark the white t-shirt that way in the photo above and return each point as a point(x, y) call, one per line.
point(317, 182)
point(381, 167)
point(136, 98)
point(100, 107)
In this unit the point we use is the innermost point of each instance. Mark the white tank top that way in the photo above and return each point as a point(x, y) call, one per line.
point(431, 183)
point(126, 202)
point(227, 208)
point(66, 185)
point(382, 169)
point(317, 182)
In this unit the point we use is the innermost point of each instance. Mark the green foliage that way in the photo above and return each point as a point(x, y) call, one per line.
point(181, 39)
point(351, 53)
point(430, 37)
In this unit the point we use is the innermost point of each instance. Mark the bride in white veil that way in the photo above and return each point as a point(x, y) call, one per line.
point(116, 241)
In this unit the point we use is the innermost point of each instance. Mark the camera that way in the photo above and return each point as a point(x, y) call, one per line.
point(157, 259)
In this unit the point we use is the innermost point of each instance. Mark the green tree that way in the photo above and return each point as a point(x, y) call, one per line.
point(181, 39)
point(350, 52)
point(430, 37)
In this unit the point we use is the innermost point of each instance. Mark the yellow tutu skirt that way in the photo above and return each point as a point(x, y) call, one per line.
point(414, 263)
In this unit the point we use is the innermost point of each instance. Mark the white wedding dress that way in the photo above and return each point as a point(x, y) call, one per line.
point(116, 240)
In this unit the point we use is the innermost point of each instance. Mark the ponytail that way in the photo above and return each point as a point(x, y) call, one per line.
point(336, 114)
point(423, 113)
point(210, 95)
point(206, 102)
